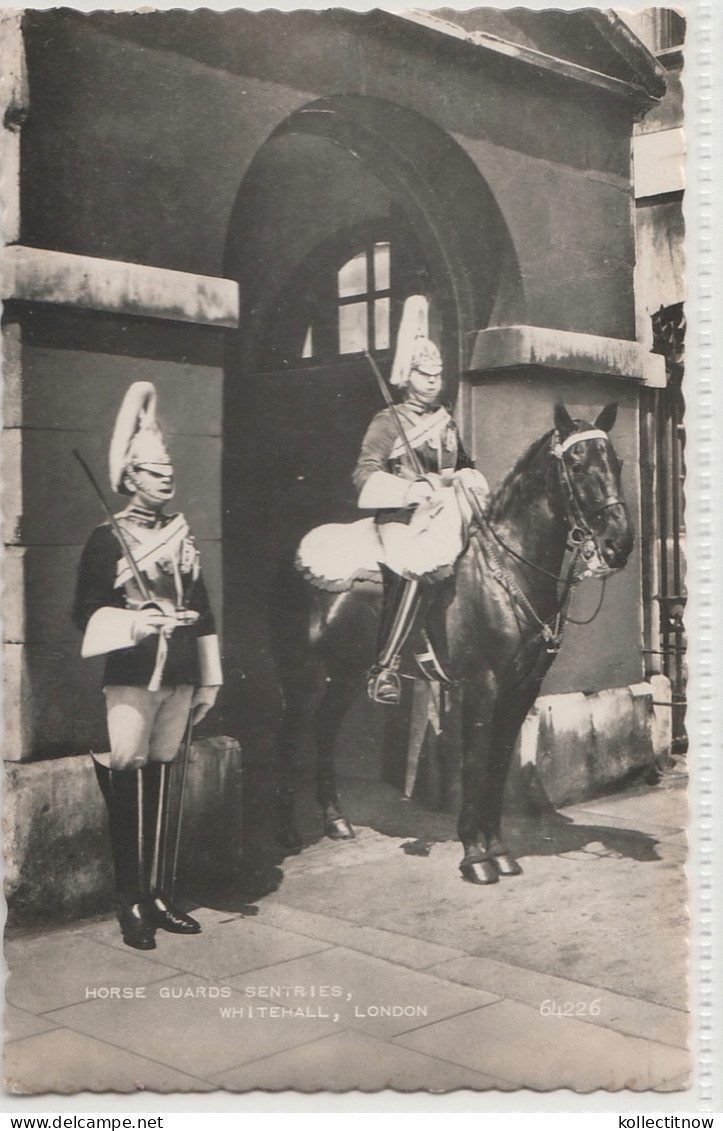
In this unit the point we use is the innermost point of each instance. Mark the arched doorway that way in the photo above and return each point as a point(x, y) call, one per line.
point(349, 206)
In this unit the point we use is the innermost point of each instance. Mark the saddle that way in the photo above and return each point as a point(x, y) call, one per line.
point(337, 557)
point(423, 547)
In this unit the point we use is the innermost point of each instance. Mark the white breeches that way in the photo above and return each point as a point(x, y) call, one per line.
point(146, 726)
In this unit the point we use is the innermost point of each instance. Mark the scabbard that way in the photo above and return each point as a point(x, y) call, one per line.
point(154, 684)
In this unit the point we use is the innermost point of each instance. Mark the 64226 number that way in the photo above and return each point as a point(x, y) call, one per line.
point(550, 1008)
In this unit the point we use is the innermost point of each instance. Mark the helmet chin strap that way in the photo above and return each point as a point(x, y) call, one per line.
point(154, 496)
point(423, 402)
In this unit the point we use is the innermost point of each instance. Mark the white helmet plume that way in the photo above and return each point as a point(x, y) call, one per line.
point(137, 438)
point(414, 348)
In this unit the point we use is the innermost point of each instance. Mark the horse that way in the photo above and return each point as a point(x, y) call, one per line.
point(497, 623)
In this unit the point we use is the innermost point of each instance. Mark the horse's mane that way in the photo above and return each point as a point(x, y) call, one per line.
point(510, 487)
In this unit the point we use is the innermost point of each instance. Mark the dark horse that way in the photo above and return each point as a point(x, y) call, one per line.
point(497, 622)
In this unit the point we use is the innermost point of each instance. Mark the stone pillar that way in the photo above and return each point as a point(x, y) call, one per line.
point(13, 111)
point(16, 722)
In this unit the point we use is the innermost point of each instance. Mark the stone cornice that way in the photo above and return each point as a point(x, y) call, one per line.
point(37, 275)
point(645, 93)
point(515, 347)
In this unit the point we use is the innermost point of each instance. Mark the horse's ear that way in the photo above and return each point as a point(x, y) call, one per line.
point(607, 417)
point(563, 421)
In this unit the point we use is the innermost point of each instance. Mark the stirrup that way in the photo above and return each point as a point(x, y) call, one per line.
point(384, 686)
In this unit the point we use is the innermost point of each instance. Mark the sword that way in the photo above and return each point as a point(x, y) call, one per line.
point(186, 757)
point(115, 525)
point(148, 598)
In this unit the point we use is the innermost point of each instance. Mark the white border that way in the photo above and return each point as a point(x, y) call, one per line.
point(703, 81)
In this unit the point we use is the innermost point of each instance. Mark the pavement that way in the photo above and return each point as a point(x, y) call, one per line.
point(370, 964)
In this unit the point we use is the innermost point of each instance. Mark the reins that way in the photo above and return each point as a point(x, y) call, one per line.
point(581, 543)
point(551, 630)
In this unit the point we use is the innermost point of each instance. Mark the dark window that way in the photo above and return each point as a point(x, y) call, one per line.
point(344, 297)
point(364, 298)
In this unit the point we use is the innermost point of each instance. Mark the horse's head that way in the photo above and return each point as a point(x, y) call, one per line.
point(590, 489)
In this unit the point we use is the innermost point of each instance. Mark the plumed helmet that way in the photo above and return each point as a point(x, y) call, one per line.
point(137, 439)
point(414, 348)
point(426, 358)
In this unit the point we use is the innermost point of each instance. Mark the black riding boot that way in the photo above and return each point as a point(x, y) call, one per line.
point(159, 851)
point(401, 601)
point(123, 794)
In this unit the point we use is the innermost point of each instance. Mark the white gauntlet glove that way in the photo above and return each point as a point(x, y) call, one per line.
point(149, 622)
point(473, 480)
point(422, 491)
point(202, 702)
point(110, 629)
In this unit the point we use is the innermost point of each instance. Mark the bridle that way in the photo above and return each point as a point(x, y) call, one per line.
point(577, 519)
point(582, 543)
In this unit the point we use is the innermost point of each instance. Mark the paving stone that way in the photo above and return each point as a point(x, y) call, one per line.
point(600, 911)
point(378, 893)
point(51, 970)
point(189, 1032)
point(679, 838)
point(368, 846)
point(366, 985)
point(679, 1084)
point(64, 1061)
point(227, 945)
point(573, 927)
point(656, 805)
point(516, 1043)
point(348, 1061)
point(19, 1024)
point(595, 920)
point(624, 1014)
point(583, 817)
point(403, 949)
point(381, 806)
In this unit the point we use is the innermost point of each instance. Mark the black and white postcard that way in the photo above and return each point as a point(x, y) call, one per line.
point(345, 569)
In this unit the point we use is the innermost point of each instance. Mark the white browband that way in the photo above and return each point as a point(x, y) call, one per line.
point(577, 437)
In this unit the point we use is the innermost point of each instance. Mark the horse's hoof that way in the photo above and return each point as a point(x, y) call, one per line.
point(338, 828)
point(480, 872)
point(506, 864)
point(289, 840)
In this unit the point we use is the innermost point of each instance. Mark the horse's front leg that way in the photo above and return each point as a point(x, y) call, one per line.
point(508, 719)
point(478, 705)
point(335, 702)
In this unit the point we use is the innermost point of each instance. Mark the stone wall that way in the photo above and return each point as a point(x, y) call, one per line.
point(71, 390)
point(57, 856)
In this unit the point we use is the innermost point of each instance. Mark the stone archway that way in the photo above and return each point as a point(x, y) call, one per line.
point(339, 160)
point(336, 166)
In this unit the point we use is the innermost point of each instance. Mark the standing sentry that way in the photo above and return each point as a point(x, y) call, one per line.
point(141, 601)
